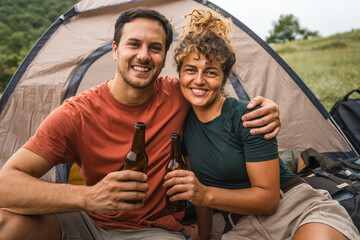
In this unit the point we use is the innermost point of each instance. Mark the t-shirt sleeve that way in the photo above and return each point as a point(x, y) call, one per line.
point(256, 147)
point(56, 137)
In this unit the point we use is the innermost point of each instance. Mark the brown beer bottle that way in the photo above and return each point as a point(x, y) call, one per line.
point(176, 162)
point(136, 159)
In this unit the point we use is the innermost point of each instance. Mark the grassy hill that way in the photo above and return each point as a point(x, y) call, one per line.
point(329, 66)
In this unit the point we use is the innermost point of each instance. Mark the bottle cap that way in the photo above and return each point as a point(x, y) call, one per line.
point(140, 125)
point(175, 135)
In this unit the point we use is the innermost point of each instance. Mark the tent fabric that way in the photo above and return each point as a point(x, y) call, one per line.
point(75, 54)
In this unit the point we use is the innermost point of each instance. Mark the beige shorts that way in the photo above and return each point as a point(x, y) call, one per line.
point(79, 226)
point(300, 205)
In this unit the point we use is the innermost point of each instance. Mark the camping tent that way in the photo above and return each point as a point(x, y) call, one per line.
point(74, 54)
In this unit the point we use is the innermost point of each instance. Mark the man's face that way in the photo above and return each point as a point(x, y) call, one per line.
point(140, 54)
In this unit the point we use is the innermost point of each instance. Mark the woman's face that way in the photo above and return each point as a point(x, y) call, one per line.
point(201, 80)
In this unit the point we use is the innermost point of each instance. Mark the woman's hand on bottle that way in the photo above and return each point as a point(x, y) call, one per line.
point(184, 185)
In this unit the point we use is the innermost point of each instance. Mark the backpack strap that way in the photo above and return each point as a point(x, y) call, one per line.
point(344, 165)
point(346, 184)
point(350, 163)
point(346, 97)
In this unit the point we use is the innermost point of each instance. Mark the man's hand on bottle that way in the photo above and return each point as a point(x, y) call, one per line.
point(109, 195)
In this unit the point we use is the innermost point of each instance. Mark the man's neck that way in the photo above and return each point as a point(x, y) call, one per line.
point(127, 94)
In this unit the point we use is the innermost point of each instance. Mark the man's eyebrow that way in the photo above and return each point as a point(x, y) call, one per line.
point(133, 39)
point(138, 40)
point(157, 44)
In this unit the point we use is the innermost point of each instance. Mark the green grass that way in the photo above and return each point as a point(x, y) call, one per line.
point(330, 66)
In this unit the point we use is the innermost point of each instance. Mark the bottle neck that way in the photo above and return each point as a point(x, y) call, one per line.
point(138, 144)
point(175, 148)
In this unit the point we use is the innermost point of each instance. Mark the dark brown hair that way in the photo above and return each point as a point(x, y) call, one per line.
point(142, 12)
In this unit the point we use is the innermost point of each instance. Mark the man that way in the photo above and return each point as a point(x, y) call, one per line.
point(95, 130)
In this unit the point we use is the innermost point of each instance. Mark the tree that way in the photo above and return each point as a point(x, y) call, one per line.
point(8, 65)
point(21, 23)
point(287, 29)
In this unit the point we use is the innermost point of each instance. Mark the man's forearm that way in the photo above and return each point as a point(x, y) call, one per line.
point(21, 190)
point(24, 194)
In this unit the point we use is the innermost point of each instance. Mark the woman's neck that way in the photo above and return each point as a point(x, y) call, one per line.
point(208, 113)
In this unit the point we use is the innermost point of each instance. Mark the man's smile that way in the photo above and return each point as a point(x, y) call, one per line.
point(141, 69)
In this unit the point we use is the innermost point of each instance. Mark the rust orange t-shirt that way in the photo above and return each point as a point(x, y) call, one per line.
point(96, 131)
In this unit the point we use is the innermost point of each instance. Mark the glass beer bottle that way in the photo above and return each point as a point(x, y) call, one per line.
point(136, 159)
point(176, 162)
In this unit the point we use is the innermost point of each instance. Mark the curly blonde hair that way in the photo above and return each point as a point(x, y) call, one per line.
point(207, 33)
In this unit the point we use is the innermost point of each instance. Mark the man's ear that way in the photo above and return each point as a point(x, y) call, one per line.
point(114, 50)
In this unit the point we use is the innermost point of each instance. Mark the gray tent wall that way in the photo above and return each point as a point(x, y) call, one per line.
point(75, 54)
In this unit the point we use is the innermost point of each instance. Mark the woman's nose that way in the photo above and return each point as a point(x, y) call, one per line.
point(199, 79)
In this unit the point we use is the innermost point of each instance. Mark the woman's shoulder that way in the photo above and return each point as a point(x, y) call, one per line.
point(232, 112)
point(235, 105)
point(239, 106)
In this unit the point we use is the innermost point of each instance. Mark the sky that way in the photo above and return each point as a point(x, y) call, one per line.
point(325, 16)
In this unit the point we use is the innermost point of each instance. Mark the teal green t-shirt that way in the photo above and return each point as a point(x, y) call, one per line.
point(219, 149)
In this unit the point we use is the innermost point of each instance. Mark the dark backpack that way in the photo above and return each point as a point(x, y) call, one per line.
point(346, 114)
point(341, 179)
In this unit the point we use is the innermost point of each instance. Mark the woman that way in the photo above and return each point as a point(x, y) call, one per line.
point(233, 171)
